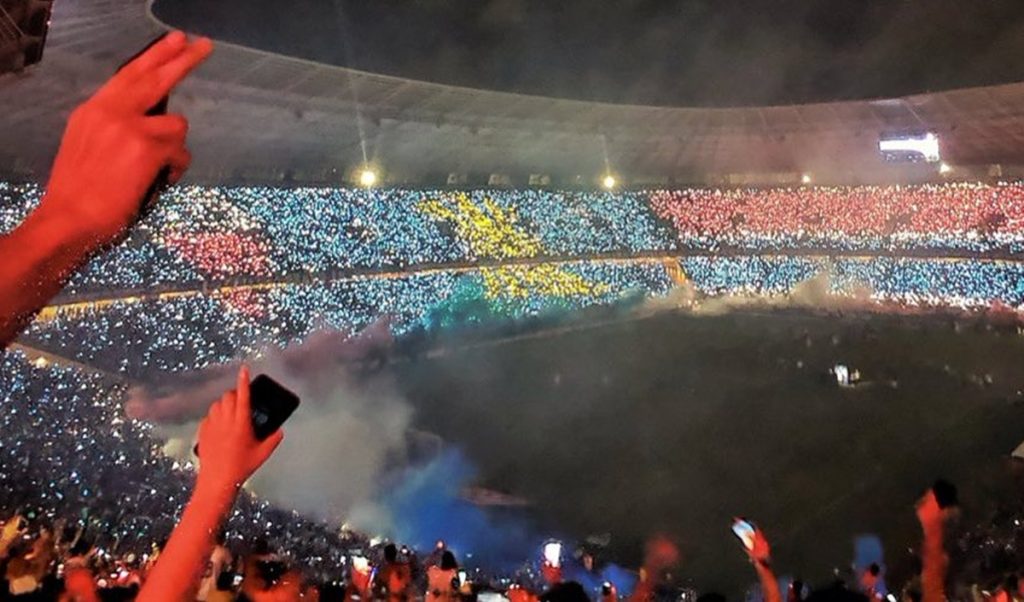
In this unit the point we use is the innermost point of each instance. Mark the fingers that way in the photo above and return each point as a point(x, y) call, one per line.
point(268, 445)
point(152, 76)
point(203, 425)
point(156, 55)
point(171, 128)
point(179, 164)
point(174, 70)
point(230, 406)
point(243, 408)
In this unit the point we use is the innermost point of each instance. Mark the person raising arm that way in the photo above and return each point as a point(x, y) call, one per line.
point(761, 557)
point(934, 561)
point(229, 454)
point(109, 156)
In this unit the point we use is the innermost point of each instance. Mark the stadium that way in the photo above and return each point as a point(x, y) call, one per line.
point(516, 318)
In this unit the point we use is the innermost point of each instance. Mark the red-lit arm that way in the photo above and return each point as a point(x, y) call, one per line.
point(229, 454)
point(109, 156)
point(760, 556)
point(934, 562)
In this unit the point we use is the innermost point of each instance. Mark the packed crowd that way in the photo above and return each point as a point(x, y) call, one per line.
point(90, 500)
point(191, 332)
point(964, 283)
point(199, 234)
point(70, 456)
point(187, 332)
point(976, 217)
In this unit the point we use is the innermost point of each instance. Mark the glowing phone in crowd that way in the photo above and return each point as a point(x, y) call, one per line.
point(553, 553)
point(271, 404)
point(744, 530)
point(361, 564)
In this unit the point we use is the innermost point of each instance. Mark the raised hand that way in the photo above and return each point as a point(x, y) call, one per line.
point(229, 451)
point(111, 151)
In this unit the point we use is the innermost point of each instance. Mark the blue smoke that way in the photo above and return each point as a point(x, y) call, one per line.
point(425, 506)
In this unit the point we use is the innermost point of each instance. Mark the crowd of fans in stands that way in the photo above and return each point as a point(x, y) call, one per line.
point(201, 234)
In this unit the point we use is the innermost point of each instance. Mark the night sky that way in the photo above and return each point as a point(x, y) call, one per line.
point(704, 52)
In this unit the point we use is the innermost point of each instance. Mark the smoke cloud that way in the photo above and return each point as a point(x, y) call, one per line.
point(350, 454)
point(351, 429)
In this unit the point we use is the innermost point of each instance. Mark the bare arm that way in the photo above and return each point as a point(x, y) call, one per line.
point(760, 556)
point(39, 257)
point(934, 562)
point(769, 583)
point(109, 156)
point(230, 453)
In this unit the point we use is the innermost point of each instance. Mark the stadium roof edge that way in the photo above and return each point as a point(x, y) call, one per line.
point(261, 116)
point(536, 97)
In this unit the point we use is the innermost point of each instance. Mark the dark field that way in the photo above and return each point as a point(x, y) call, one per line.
point(676, 423)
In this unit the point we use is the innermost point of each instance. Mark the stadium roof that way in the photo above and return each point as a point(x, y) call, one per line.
point(258, 116)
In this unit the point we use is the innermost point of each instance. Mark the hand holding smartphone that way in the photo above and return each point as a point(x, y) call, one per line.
point(745, 531)
point(271, 405)
point(753, 540)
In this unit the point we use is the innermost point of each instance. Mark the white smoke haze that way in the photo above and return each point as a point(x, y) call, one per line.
point(349, 431)
point(816, 292)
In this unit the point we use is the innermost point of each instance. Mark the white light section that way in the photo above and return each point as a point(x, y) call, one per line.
point(927, 146)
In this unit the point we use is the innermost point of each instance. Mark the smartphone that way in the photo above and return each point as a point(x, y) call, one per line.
point(271, 404)
point(945, 494)
point(162, 179)
point(462, 578)
point(744, 530)
point(553, 553)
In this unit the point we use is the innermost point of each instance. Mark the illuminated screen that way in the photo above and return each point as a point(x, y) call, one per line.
point(913, 148)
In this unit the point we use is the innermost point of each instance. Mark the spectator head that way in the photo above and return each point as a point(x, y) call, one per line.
point(568, 591)
point(837, 592)
point(271, 571)
point(448, 561)
point(711, 597)
point(796, 591)
point(391, 553)
point(1010, 583)
point(225, 581)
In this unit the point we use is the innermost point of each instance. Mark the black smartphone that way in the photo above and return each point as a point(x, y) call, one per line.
point(270, 405)
point(945, 494)
point(163, 178)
